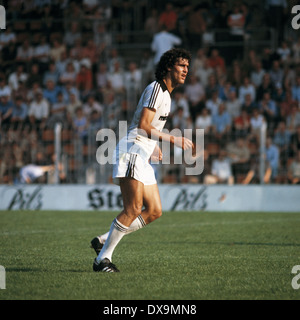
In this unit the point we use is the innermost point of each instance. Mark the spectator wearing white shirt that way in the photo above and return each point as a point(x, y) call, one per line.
point(15, 77)
point(204, 121)
point(213, 103)
point(92, 105)
point(116, 78)
point(162, 42)
point(38, 111)
point(247, 88)
point(257, 74)
point(221, 171)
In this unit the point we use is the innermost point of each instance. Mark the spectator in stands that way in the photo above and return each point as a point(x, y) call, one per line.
point(80, 124)
point(73, 104)
point(221, 123)
point(114, 56)
point(133, 78)
point(16, 76)
point(199, 60)
point(151, 24)
point(236, 74)
point(57, 111)
point(7, 36)
point(51, 74)
point(84, 79)
point(204, 121)
point(180, 100)
point(95, 121)
point(19, 113)
point(249, 104)
point(257, 121)
point(162, 42)
point(236, 23)
point(293, 119)
point(41, 53)
point(56, 50)
point(268, 108)
point(72, 34)
point(51, 91)
point(211, 87)
point(68, 75)
point(213, 103)
point(76, 51)
point(30, 173)
point(247, 88)
point(196, 27)
point(25, 53)
point(272, 158)
point(168, 17)
point(282, 139)
point(221, 171)
point(296, 90)
point(92, 105)
point(90, 52)
point(233, 104)
point(6, 110)
point(294, 170)
point(116, 78)
point(195, 94)
point(256, 75)
point(38, 111)
point(295, 142)
point(266, 85)
point(179, 120)
point(103, 40)
point(8, 57)
point(34, 76)
point(296, 51)
point(285, 106)
point(204, 73)
point(241, 123)
point(239, 154)
point(276, 73)
point(215, 60)
point(284, 52)
point(102, 76)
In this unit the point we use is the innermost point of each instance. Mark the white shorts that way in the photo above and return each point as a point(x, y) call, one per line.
point(134, 166)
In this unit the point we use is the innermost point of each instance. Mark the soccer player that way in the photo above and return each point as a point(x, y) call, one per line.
point(132, 170)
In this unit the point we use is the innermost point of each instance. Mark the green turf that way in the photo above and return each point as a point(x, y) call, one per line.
point(183, 255)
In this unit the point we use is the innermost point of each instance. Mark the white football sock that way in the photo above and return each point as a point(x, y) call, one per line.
point(116, 233)
point(137, 224)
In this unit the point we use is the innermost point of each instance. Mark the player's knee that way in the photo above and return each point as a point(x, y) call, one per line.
point(134, 210)
point(156, 212)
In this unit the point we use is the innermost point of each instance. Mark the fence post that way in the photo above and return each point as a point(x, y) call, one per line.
point(57, 141)
point(262, 153)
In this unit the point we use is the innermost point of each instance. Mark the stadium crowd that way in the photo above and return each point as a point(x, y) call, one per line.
point(61, 62)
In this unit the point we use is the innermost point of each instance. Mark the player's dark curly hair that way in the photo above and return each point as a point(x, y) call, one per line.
point(168, 60)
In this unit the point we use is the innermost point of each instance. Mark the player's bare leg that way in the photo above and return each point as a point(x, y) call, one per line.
point(152, 203)
point(132, 193)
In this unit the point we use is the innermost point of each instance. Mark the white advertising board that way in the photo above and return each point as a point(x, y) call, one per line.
point(174, 197)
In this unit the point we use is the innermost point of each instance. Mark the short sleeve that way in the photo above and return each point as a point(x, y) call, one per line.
point(153, 96)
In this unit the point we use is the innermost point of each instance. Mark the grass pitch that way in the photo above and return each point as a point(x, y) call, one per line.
point(181, 256)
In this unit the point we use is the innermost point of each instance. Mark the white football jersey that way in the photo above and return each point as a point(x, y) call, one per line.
point(156, 96)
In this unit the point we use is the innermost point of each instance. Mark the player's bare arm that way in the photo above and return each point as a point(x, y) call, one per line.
point(152, 133)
